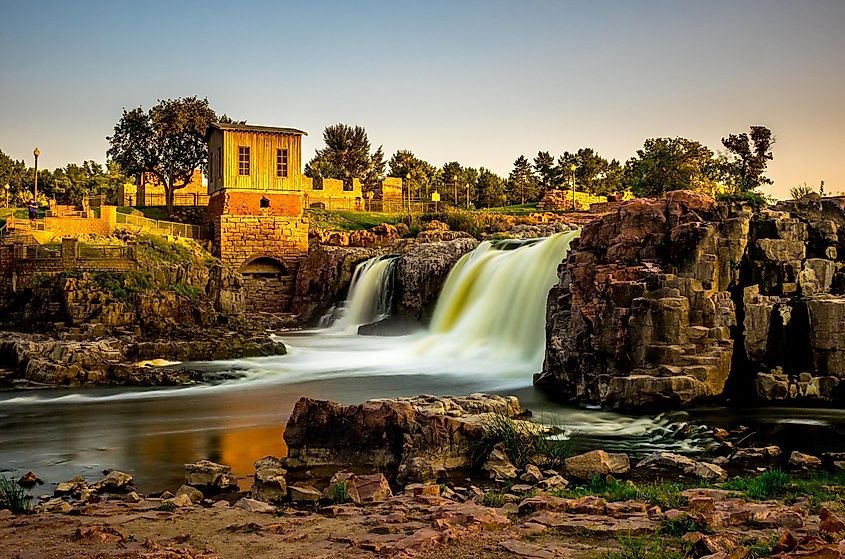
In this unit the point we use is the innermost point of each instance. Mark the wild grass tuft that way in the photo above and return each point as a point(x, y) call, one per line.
point(645, 547)
point(771, 484)
point(340, 492)
point(666, 495)
point(524, 443)
point(14, 497)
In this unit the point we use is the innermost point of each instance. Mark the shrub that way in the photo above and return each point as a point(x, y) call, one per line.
point(493, 499)
point(753, 198)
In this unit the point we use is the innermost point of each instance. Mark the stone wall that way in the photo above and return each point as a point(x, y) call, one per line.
point(561, 200)
point(249, 202)
point(664, 301)
point(329, 194)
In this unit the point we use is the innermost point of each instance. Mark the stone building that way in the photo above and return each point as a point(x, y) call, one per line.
point(332, 194)
point(255, 205)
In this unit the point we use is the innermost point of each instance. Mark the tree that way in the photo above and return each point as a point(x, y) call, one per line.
point(168, 141)
point(548, 175)
point(750, 154)
point(521, 184)
point(419, 178)
point(665, 164)
point(11, 173)
point(347, 157)
point(490, 189)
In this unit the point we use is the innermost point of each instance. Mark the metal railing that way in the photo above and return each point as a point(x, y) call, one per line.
point(163, 227)
point(106, 252)
point(39, 252)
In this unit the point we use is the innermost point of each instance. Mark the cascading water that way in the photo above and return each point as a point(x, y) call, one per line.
point(370, 294)
point(493, 303)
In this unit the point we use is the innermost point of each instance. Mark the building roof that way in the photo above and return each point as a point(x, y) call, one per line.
point(251, 128)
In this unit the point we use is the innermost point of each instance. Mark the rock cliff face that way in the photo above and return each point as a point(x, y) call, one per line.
point(663, 300)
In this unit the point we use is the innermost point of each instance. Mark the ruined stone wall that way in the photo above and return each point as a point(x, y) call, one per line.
point(329, 194)
point(561, 200)
point(268, 294)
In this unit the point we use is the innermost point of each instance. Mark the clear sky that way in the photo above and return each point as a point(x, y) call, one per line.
point(480, 82)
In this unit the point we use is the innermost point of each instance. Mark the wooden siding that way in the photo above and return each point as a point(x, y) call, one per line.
point(262, 160)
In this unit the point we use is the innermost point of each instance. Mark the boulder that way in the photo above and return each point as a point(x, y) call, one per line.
point(300, 493)
point(801, 461)
point(269, 483)
point(532, 474)
point(417, 437)
point(114, 481)
point(252, 505)
point(209, 475)
point(597, 463)
point(29, 480)
point(182, 500)
point(670, 466)
point(499, 465)
point(368, 488)
point(194, 494)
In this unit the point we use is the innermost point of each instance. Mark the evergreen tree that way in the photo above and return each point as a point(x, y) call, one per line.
point(522, 184)
point(490, 189)
point(547, 173)
point(346, 156)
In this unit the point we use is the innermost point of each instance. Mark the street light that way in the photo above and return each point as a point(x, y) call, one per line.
point(572, 168)
point(36, 152)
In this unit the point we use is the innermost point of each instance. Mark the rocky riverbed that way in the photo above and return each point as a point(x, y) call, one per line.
point(591, 505)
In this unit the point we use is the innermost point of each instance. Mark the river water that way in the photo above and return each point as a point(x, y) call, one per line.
point(487, 335)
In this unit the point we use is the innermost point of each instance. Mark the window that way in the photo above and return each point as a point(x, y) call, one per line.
point(264, 202)
point(243, 160)
point(281, 162)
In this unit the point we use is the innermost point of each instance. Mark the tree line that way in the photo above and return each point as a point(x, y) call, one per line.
point(662, 164)
point(67, 185)
point(168, 141)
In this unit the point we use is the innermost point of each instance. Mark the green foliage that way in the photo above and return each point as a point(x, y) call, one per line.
point(347, 157)
point(665, 164)
point(667, 495)
point(753, 198)
point(760, 548)
point(749, 153)
point(680, 526)
point(772, 484)
point(340, 492)
point(590, 172)
point(167, 506)
point(547, 173)
point(490, 189)
point(168, 141)
point(14, 497)
point(151, 247)
point(522, 185)
point(349, 220)
point(419, 178)
point(801, 191)
point(493, 499)
point(523, 442)
point(187, 291)
point(646, 547)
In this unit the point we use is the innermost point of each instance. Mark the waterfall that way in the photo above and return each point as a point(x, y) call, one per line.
point(494, 300)
point(370, 293)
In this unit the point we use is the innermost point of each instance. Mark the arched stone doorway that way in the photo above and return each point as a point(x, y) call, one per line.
point(268, 284)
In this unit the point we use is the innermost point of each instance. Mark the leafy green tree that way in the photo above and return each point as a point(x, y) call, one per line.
point(749, 153)
point(346, 156)
point(419, 178)
point(490, 189)
point(548, 174)
point(665, 164)
point(522, 184)
point(452, 176)
point(12, 173)
point(168, 141)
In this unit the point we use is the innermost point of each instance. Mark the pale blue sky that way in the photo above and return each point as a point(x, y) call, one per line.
point(477, 82)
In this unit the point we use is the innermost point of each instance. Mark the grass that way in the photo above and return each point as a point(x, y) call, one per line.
point(14, 497)
point(154, 248)
point(523, 442)
point(350, 220)
point(518, 209)
point(820, 489)
point(647, 547)
point(666, 495)
point(340, 492)
point(493, 499)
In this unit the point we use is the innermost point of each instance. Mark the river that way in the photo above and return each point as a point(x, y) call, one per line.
point(487, 335)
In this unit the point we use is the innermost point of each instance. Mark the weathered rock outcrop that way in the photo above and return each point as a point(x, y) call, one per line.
point(662, 297)
point(421, 273)
point(323, 278)
point(416, 437)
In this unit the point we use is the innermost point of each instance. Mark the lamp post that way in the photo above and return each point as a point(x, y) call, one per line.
point(36, 152)
point(572, 168)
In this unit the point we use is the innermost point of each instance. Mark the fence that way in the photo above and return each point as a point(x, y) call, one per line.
point(106, 252)
point(163, 227)
point(184, 199)
point(402, 206)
